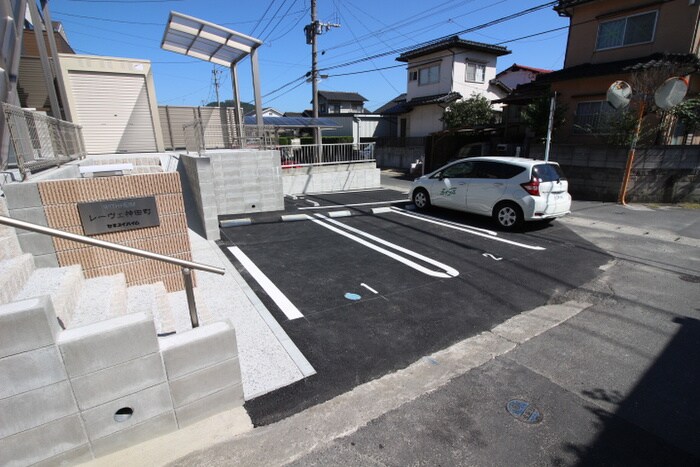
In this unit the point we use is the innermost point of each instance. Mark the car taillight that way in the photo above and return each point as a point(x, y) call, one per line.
point(532, 187)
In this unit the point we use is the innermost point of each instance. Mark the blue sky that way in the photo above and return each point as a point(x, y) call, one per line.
point(368, 28)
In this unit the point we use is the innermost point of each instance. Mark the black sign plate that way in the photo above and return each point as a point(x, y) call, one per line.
point(117, 215)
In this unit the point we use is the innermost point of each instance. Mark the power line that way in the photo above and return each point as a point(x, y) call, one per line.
point(358, 43)
point(433, 41)
point(262, 17)
point(110, 20)
point(286, 13)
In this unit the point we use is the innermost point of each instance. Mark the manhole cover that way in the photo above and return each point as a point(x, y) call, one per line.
point(691, 279)
point(524, 411)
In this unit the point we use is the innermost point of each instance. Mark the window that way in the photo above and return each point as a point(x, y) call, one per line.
point(461, 170)
point(548, 173)
point(475, 72)
point(497, 170)
point(429, 75)
point(412, 75)
point(593, 117)
point(636, 29)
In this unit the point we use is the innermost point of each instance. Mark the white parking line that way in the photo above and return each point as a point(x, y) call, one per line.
point(281, 300)
point(470, 230)
point(352, 205)
point(449, 271)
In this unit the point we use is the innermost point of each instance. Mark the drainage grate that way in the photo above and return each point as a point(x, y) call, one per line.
point(691, 279)
point(524, 411)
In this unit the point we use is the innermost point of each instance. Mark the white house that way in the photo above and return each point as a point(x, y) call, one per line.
point(439, 74)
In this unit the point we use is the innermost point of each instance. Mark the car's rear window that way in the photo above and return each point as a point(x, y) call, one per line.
point(498, 170)
point(548, 172)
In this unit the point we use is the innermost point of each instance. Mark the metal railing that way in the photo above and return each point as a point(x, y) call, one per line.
point(201, 136)
point(312, 154)
point(186, 266)
point(40, 141)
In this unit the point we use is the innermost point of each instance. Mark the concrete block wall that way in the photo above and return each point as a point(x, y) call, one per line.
point(332, 177)
point(247, 181)
point(73, 395)
point(233, 181)
point(667, 174)
point(203, 372)
point(40, 416)
point(198, 172)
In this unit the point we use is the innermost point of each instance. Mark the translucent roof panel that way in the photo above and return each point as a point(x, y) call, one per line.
point(207, 41)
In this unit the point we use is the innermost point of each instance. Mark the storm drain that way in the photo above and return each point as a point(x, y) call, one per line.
point(524, 411)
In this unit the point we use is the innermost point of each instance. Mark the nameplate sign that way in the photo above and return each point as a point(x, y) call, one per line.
point(117, 215)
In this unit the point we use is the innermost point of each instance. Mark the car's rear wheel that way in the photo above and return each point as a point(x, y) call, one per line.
point(421, 199)
point(508, 216)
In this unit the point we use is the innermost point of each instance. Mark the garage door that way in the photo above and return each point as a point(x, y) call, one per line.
point(114, 112)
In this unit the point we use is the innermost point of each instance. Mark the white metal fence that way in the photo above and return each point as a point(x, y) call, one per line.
point(312, 154)
point(40, 141)
point(200, 137)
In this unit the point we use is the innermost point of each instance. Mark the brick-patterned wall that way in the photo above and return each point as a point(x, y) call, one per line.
point(60, 198)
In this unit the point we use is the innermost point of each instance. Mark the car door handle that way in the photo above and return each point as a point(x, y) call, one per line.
point(462, 184)
point(498, 184)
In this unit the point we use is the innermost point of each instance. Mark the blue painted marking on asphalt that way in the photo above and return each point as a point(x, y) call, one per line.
point(352, 296)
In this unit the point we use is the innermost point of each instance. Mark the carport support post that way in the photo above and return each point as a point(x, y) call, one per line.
point(256, 90)
point(238, 115)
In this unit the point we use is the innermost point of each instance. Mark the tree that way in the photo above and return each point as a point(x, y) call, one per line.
point(472, 112)
point(536, 116)
point(245, 107)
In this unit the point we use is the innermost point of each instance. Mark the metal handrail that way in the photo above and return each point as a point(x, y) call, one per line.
point(186, 266)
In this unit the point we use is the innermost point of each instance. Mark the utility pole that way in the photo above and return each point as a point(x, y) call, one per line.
point(215, 74)
point(312, 30)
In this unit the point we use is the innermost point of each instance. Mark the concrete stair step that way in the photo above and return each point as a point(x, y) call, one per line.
point(9, 245)
point(153, 300)
point(101, 298)
point(62, 285)
point(180, 314)
point(15, 273)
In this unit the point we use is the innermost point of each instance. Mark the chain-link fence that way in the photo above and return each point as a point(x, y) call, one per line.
point(40, 141)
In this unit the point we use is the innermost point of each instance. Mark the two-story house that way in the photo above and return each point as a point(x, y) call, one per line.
point(334, 102)
point(439, 74)
point(608, 40)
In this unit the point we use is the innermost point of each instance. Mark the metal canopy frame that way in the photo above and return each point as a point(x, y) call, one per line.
point(210, 42)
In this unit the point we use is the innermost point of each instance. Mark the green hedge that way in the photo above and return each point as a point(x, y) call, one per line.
point(286, 140)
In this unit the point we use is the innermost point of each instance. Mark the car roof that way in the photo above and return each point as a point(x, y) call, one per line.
point(522, 161)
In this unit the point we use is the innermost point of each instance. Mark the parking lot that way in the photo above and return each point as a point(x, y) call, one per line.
point(363, 285)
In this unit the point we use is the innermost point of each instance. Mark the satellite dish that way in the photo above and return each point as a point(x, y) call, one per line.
point(671, 93)
point(619, 94)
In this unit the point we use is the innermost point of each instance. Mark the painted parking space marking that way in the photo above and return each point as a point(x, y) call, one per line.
point(354, 205)
point(368, 288)
point(470, 230)
point(338, 227)
point(493, 257)
point(281, 300)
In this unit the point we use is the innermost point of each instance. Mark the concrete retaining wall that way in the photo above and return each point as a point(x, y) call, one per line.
point(669, 174)
point(72, 395)
point(332, 177)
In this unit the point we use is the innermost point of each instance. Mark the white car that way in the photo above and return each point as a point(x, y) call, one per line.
point(509, 189)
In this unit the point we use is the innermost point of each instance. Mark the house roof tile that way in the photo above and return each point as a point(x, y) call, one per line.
point(403, 107)
point(341, 96)
point(449, 43)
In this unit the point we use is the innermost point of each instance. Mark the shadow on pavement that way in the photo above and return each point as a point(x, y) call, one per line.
point(664, 402)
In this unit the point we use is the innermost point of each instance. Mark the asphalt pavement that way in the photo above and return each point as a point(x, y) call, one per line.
point(600, 366)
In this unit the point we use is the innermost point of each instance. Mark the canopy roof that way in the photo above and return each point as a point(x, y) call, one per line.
point(207, 41)
point(294, 122)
